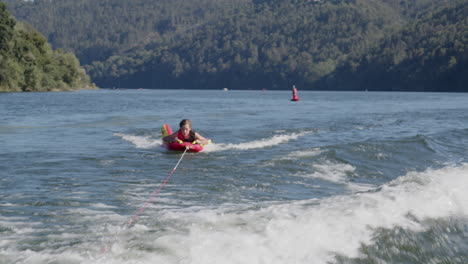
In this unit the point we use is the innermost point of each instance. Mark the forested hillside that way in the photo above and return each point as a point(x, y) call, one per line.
point(27, 63)
point(256, 43)
point(96, 30)
point(430, 54)
point(261, 46)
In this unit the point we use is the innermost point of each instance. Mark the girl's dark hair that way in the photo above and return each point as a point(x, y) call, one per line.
point(185, 122)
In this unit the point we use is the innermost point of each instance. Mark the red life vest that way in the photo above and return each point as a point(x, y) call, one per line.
point(190, 139)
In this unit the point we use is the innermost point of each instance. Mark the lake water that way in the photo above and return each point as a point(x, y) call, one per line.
point(338, 177)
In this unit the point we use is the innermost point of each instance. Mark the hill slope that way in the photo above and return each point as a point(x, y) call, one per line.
point(428, 55)
point(235, 43)
point(27, 63)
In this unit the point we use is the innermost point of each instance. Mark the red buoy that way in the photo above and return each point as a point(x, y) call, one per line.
point(294, 94)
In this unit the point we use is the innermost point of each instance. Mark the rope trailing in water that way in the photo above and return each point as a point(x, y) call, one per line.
point(155, 193)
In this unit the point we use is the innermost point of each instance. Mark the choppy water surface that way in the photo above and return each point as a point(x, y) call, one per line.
point(335, 178)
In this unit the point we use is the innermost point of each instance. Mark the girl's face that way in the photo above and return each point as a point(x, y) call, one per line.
point(185, 130)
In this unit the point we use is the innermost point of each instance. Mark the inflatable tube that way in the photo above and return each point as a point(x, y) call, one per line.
point(167, 130)
point(183, 145)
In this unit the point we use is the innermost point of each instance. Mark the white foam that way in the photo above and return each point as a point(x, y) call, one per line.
point(143, 142)
point(262, 143)
point(336, 173)
point(381, 156)
point(101, 216)
point(331, 171)
point(303, 153)
point(293, 156)
point(311, 231)
point(18, 225)
point(32, 257)
point(147, 142)
point(101, 205)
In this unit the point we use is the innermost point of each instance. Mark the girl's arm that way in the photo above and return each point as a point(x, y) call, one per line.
point(171, 138)
point(201, 140)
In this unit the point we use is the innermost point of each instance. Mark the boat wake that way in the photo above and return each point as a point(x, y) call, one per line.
point(149, 141)
point(141, 142)
point(257, 144)
point(309, 231)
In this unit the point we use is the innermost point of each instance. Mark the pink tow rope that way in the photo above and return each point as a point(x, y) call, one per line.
point(135, 217)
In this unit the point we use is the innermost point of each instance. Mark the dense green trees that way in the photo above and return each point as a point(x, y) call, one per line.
point(430, 54)
point(27, 63)
point(253, 48)
point(327, 44)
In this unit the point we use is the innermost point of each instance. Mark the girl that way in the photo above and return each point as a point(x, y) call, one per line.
point(185, 134)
